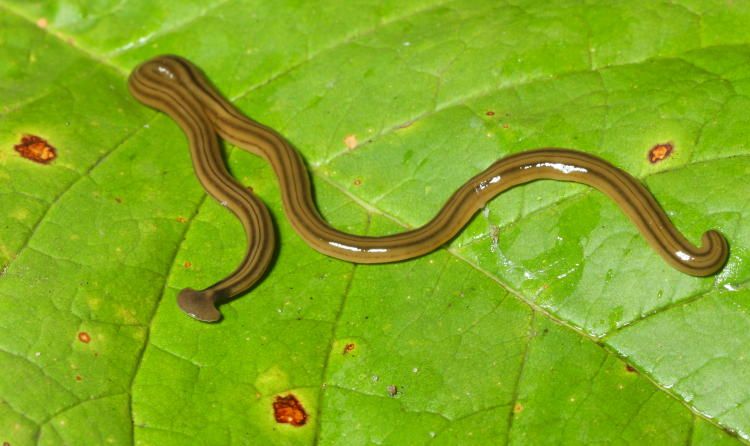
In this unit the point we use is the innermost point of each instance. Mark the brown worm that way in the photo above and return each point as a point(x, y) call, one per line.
point(176, 86)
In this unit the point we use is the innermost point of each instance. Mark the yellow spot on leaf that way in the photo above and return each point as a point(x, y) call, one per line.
point(20, 214)
point(272, 380)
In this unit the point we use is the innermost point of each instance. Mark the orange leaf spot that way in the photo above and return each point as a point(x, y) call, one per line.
point(660, 152)
point(287, 409)
point(350, 141)
point(36, 149)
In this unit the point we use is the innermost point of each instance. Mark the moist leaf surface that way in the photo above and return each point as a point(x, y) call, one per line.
point(548, 320)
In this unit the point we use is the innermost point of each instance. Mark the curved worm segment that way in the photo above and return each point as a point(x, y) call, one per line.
point(715, 253)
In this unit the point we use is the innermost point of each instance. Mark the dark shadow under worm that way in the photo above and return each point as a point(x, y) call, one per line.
point(176, 87)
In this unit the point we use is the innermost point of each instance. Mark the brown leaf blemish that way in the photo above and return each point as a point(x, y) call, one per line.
point(517, 408)
point(629, 368)
point(84, 337)
point(660, 152)
point(287, 409)
point(392, 391)
point(490, 113)
point(36, 149)
point(348, 348)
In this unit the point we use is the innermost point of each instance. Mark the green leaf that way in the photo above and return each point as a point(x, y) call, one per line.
point(548, 320)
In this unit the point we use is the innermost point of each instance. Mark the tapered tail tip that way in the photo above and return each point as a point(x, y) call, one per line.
point(199, 304)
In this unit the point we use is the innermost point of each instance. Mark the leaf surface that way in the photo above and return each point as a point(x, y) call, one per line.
point(548, 320)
